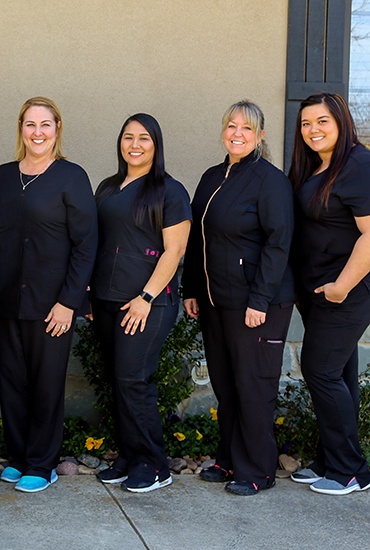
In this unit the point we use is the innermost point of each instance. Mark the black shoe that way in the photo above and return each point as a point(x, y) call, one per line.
point(216, 474)
point(245, 488)
point(112, 475)
point(146, 478)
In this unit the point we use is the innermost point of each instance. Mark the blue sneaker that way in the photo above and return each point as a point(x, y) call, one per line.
point(332, 487)
point(34, 484)
point(11, 475)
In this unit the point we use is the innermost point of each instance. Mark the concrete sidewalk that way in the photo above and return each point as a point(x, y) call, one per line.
point(79, 513)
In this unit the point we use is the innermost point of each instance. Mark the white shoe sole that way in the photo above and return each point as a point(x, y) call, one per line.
point(8, 480)
point(156, 485)
point(112, 481)
point(363, 488)
point(338, 492)
point(25, 490)
point(307, 480)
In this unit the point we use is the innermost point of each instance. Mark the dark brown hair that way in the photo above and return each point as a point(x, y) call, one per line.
point(305, 161)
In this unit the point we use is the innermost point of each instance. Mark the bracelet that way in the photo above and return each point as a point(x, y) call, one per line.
point(147, 297)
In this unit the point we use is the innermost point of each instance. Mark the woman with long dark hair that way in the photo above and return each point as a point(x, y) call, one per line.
point(330, 173)
point(144, 221)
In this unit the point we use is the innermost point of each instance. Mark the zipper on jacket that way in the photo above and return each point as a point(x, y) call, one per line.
point(203, 232)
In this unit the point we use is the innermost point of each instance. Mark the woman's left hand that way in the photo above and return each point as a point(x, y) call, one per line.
point(254, 318)
point(332, 293)
point(136, 316)
point(59, 320)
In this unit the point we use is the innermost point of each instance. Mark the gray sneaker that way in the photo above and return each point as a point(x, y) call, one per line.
point(332, 487)
point(306, 475)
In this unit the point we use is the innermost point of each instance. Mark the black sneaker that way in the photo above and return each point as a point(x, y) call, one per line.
point(146, 478)
point(245, 488)
point(112, 475)
point(216, 474)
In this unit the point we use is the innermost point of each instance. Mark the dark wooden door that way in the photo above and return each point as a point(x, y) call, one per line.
point(319, 33)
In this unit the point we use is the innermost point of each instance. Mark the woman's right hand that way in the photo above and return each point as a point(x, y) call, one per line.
point(191, 307)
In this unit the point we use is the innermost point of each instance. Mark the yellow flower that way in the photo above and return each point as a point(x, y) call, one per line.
point(89, 443)
point(179, 436)
point(92, 443)
point(199, 435)
point(213, 413)
point(98, 443)
point(279, 421)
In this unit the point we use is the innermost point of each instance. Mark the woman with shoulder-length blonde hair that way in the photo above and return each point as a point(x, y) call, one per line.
point(238, 281)
point(48, 239)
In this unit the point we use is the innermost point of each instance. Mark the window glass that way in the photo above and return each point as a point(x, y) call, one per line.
point(359, 78)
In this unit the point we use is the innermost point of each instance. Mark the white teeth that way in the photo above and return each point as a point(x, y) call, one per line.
point(317, 138)
point(237, 142)
point(38, 141)
point(135, 154)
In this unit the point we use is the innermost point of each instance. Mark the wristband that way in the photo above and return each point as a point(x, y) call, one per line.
point(147, 297)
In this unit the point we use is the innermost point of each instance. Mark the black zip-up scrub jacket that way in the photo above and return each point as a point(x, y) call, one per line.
point(247, 232)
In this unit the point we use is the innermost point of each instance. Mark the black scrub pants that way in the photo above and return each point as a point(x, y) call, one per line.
point(329, 364)
point(130, 362)
point(33, 368)
point(244, 366)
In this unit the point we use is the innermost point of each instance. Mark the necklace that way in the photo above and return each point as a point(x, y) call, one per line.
point(24, 185)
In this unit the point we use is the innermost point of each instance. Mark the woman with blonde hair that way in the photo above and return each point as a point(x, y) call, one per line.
point(48, 239)
point(237, 279)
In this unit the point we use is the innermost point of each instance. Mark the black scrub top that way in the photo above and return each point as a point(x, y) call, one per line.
point(326, 239)
point(128, 253)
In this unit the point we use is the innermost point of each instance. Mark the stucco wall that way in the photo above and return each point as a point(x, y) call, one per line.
point(184, 61)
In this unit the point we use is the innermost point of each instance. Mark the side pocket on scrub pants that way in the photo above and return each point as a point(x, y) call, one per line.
point(270, 357)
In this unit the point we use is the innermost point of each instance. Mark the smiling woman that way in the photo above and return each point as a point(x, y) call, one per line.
point(320, 132)
point(330, 174)
point(137, 149)
point(239, 138)
point(238, 281)
point(144, 220)
point(48, 241)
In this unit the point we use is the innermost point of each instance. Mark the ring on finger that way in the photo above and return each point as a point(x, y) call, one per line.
point(63, 327)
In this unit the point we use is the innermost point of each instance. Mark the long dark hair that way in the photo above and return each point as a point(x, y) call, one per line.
point(305, 161)
point(149, 199)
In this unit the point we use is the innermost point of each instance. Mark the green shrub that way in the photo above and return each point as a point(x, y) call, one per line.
point(79, 438)
point(296, 429)
point(364, 416)
point(195, 436)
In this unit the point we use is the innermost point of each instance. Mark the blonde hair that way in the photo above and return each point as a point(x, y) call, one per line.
point(39, 101)
point(254, 117)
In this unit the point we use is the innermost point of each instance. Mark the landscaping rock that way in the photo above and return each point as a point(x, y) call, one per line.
point(186, 471)
point(192, 465)
point(88, 460)
point(110, 455)
point(208, 463)
point(85, 470)
point(177, 464)
point(289, 463)
point(71, 459)
point(67, 468)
